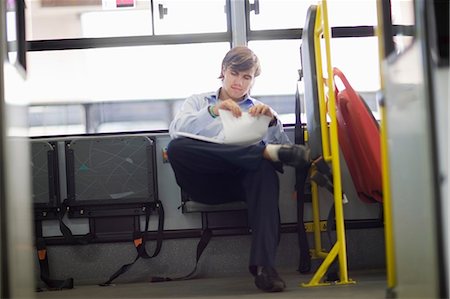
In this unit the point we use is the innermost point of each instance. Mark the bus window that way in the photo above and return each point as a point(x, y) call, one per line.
point(199, 16)
point(280, 14)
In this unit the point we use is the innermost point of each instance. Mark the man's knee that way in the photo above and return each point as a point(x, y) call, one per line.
point(174, 147)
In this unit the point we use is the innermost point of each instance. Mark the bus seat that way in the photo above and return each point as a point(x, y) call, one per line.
point(112, 181)
point(47, 203)
point(188, 205)
point(311, 96)
point(359, 139)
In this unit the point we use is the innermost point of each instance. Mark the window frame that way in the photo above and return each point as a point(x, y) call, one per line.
point(233, 36)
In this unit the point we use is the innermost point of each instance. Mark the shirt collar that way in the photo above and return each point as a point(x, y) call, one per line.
point(214, 96)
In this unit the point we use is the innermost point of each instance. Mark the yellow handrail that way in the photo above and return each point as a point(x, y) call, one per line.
point(330, 145)
point(318, 30)
point(387, 204)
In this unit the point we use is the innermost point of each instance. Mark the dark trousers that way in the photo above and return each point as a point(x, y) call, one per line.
point(217, 173)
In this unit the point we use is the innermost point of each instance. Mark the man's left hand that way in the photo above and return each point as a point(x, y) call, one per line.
point(260, 109)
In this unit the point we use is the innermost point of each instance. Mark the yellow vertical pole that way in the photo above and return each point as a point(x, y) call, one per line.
point(318, 30)
point(387, 204)
point(340, 229)
point(330, 147)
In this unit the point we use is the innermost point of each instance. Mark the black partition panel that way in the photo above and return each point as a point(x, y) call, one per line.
point(44, 170)
point(307, 52)
point(112, 172)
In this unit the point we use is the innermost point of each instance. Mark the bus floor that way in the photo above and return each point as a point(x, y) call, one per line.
point(368, 284)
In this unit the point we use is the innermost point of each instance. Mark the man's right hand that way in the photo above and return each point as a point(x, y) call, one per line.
point(229, 105)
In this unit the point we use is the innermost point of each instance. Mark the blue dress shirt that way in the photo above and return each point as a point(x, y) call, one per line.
point(195, 118)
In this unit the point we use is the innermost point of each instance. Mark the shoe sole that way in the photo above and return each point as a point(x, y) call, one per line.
point(276, 287)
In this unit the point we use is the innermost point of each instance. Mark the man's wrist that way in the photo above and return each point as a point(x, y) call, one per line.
point(273, 121)
point(211, 111)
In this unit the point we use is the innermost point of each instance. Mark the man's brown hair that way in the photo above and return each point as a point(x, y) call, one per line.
point(240, 59)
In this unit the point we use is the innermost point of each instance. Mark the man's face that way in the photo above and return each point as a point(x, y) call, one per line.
point(236, 84)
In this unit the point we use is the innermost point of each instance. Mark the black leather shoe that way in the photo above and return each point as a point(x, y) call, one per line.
point(295, 155)
point(269, 281)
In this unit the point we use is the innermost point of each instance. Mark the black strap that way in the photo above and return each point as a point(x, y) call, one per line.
point(301, 176)
point(139, 240)
point(65, 230)
point(323, 176)
point(305, 256)
point(202, 244)
point(53, 284)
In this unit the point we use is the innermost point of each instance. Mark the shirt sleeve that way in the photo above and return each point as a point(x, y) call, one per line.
point(194, 118)
point(276, 133)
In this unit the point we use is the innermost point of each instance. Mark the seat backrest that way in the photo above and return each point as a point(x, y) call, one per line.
point(111, 180)
point(111, 170)
point(359, 139)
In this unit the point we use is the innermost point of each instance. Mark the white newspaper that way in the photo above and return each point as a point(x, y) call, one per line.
point(243, 130)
